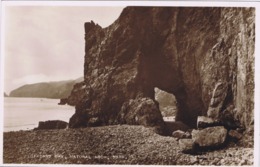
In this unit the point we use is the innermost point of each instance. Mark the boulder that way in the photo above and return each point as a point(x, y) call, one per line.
point(53, 124)
point(181, 134)
point(204, 122)
point(210, 137)
point(187, 146)
point(141, 111)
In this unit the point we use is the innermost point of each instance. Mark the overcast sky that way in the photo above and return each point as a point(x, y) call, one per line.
point(47, 43)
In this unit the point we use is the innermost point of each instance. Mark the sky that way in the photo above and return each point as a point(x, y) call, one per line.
point(46, 43)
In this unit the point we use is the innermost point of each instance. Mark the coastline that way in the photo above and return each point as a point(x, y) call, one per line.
point(26, 113)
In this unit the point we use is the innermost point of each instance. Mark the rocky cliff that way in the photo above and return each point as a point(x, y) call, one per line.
point(203, 56)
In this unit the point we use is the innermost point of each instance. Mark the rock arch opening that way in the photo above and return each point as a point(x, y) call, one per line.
point(167, 104)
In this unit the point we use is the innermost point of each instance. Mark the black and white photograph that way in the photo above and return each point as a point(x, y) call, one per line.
point(113, 83)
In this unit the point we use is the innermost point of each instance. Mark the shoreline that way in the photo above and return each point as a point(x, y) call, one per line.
point(117, 144)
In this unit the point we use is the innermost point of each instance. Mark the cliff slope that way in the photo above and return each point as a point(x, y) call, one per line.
point(55, 90)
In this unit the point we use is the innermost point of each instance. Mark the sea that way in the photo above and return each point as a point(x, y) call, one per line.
point(25, 113)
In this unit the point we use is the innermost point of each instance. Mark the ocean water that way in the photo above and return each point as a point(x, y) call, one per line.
point(25, 113)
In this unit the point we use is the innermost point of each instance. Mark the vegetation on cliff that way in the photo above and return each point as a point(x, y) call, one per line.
point(55, 90)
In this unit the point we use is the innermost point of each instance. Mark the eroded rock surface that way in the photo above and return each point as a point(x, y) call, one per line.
point(184, 51)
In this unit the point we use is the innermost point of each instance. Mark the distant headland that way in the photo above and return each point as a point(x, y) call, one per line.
point(54, 90)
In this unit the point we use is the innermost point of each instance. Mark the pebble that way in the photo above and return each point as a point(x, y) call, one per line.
point(129, 141)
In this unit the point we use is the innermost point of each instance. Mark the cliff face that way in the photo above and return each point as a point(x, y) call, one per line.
point(189, 52)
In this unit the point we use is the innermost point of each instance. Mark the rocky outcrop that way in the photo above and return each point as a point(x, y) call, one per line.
point(63, 101)
point(53, 124)
point(5, 95)
point(78, 93)
point(184, 51)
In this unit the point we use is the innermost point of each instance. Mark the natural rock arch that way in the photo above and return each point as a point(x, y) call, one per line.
point(167, 103)
point(184, 51)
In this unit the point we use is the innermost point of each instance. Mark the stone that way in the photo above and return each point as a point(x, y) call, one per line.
point(194, 160)
point(234, 135)
point(141, 111)
point(172, 126)
point(63, 101)
point(186, 145)
point(174, 52)
point(52, 124)
point(204, 122)
point(181, 135)
point(210, 137)
point(94, 121)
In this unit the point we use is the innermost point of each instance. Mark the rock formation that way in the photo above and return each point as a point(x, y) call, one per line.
point(212, 136)
point(5, 95)
point(52, 124)
point(63, 101)
point(200, 55)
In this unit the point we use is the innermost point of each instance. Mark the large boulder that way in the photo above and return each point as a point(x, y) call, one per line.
point(52, 124)
point(201, 55)
point(142, 111)
point(210, 137)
